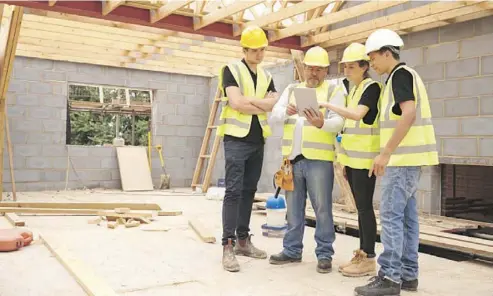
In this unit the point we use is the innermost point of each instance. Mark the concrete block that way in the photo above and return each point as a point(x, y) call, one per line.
point(84, 162)
point(446, 127)
point(42, 112)
point(457, 31)
point(196, 121)
point(42, 64)
point(158, 85)
point(74, 150)
point(53, 100)
point(60, 88)
point(40, 88)
point(178, 78)
point(431, 72)
point(59, 162)
point(190, 131)
point(113, 184)
point(186, 89)
point(17, 86)
point(137, 83)
point(173, 88)
point(486, 104)
point(198, 99)
point(115, 174)
point(484, 25)
point(443, 89)
point(486, 147)
point(370, 16)
point(16, 111)
point(476, 86)
point(480, 126)
point(38, 138)
point(65, 66)
point(463, 68)
point(437, 108)
point(462, 107)
point(118, 72)
point(54, 150)
point(19, 163)
point(460, 147)
point(27, 175)
point(38, 162)
point(17, 138)
point(174, 99)
point(442, 52)
point(412, 57)
point(202, 90)
point(188, 110)
point(109, 163)
point(102, 151)
point(477, 46)
point(90, 69)
point(27, 100)
point(26, 150)
point(58, 138)
point(54, 125)
point(53, 175)
point(172, 119)
point(422, 38)
point(54, 76)
point(487, 65)
point(161, 76)
point(166, 131)
point(19, 124)
point(196, 80)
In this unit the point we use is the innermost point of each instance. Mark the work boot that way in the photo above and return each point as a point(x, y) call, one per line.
point(411, 286)
point(379, 286)
point(324, 266)
point(244, 247)
point(229, 260)
point(282, 258)
point(362, 266)
point(356, 254)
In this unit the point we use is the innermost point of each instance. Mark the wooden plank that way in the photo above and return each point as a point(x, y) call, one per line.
point(14, 219)
point(85, 212)
point(134, 169)
point(203, 232)
point(167, 9)
point(169, 213)
point(224, 12)
point(11, 156)
point(83, 205)
point(92, 283)
point(133, 214)
point(110, 5)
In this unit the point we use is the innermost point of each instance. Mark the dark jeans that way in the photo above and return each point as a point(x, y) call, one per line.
point(243, 169)
point(363, 189)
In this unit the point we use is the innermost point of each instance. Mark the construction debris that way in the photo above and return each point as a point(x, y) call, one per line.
point(203, 232)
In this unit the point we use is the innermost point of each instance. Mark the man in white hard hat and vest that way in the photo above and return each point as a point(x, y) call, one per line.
point(407, 143)
point(309, 143)
point(248, 94)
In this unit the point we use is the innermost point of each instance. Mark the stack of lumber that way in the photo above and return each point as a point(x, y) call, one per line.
point(432, 229)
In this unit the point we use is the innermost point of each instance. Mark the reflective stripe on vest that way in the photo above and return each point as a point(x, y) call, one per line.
point(360, 142)
point(418, 148)
point(233, 122)
point(316, 144)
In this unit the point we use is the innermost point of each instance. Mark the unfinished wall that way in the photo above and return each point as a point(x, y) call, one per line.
point(37, 106)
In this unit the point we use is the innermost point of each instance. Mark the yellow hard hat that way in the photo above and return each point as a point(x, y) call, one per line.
point(354, 52)
point(316, 56)
point(253, 37)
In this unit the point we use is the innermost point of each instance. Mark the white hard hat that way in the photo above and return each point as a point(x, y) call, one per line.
point(381, 38)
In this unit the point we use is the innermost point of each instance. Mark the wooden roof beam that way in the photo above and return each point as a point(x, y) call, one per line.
point(219, 14)
point(332, 18)
point(52, 2)
point(281, 14)
point(110, 5)
point(168, 9)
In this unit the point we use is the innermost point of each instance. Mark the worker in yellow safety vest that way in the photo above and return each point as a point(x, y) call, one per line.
point(248, 93)
point(360, 144)
point(309, 143)
point(407, 143)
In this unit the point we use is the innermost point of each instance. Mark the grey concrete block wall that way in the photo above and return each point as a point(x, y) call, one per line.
point(37, 110)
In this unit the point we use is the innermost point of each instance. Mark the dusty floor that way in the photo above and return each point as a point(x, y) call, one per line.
point(140, 263)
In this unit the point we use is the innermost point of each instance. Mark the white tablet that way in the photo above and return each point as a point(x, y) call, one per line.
point(306, 98)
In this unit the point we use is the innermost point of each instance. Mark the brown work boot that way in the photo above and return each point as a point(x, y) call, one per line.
point(229, 259)
point(246, 248)
point(362, 267)
point(355, 258)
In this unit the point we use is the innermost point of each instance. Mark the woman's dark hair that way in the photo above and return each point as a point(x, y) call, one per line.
point(363, 63)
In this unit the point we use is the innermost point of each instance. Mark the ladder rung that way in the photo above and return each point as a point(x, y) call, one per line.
point(196, 185)
point(205, 156)
point(212, 126)
point(217, 100)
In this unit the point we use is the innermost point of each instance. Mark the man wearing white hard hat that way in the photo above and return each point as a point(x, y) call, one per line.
point(309, 144)
point(407, 143)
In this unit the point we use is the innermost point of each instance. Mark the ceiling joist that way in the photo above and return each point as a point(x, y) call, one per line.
point(166, 10)
point(224, 12)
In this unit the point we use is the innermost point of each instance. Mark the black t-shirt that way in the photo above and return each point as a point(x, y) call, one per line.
point(255, 133)
point(369, 98)
point(402, 87)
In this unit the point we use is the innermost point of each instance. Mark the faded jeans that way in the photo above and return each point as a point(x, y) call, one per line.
point(400, 224)
point(316, 178)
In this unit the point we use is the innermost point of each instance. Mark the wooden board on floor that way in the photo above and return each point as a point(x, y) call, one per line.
point(14, 219)
point(134, 169)
point(83, 205)
point(202, 231)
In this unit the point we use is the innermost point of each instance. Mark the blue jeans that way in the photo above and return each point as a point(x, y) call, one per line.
point(316, 178)
point(400, 224)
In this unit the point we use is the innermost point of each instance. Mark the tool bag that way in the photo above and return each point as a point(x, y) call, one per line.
point(284, 177)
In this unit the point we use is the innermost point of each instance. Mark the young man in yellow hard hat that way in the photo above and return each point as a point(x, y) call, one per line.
point(248, 93)
point(407, 143)
point(308, 142)
point(359, 146)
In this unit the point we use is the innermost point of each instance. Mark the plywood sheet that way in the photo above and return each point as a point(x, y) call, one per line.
point(134, 169)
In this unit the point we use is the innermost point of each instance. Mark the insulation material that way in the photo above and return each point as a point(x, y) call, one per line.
point(134, 168)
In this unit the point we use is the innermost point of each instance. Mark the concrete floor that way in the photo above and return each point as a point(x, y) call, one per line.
point(176, 262)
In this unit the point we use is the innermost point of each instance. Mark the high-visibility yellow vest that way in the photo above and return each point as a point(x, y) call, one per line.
point(418, 148)
point(360, 142)
point(233, 122)
point(317, 144)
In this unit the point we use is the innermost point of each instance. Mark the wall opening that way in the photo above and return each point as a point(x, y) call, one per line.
point(467, 192)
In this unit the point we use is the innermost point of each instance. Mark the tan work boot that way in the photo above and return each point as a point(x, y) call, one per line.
point(246, 248)
point(355, 258)
point(362, 267)
point(229, 259)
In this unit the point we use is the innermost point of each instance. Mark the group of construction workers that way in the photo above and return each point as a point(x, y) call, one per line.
point(385, 131)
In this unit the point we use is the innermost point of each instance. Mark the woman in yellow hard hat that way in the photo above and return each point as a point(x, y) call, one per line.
point(359, 146)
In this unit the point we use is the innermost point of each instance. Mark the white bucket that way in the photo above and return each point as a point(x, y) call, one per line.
point(276, 217)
